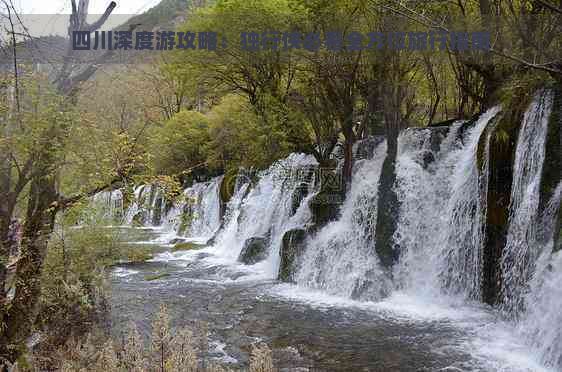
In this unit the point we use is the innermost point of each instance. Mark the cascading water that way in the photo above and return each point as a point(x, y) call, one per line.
point(340, 258)
point(522, 249)
point(267, 210)
point(110, 204)
point(147, 207)
point(197, 213)
point(540, 324)
point(440, 228)
point(135, 206)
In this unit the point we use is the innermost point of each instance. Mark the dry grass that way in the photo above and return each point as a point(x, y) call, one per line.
point(167, 351)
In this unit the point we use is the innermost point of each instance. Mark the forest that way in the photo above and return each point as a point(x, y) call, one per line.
point(278, 210)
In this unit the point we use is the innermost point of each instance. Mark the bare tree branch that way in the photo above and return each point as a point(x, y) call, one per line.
point(419, 18)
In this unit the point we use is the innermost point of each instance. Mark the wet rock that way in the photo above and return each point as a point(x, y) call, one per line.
point(501, 133)
point(254, 250)
point(552, 163)
point(226, 190)
point(137, 219)
point(187, 246)
point(292, 247)
point(298, 196)
point(177, 240)
point(387, 206)
point(157, 211)
point(365, 148)
point(444, 123)
point(325, 205)
point(428, 158)
point(150, 278)
point(436, 135)
point(306, 176)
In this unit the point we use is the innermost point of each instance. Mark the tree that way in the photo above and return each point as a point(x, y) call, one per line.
point(179, 145)
point(30, 179)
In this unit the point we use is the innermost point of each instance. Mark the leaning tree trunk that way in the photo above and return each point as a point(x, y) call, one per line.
point(348, 152)
point(387, 205)
point(20, 315)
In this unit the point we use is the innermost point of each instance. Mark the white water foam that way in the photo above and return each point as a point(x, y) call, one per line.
point(340, 258)
point(440, 227)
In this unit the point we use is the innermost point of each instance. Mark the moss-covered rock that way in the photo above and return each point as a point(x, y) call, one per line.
point(325, 207)
point(292, 248)
point(135, 255)
point(254, 250)
point(226, 189)
point(187, 246)
point(137, 219)
point(444, 123)
point(158, 276)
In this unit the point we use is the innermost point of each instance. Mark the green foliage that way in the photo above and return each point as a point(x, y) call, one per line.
point(178, 146)
point(186, 246)
point(74, 280)
point(158, 276)
point(237, 138)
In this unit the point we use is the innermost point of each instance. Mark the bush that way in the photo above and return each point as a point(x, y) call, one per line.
point(178, 146)
point(167, 350)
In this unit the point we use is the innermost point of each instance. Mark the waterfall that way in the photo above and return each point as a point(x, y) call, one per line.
point(267, 210)
point(134, 207)
point(197, 213)
point(442, 191)
point(540, 325)
point(440, 227)
point(522, 249)
point(341, 258)
point(110, 204)
point(147, 207)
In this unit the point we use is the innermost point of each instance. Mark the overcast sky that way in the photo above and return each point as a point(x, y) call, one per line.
point(96, 6)
point(43, 17)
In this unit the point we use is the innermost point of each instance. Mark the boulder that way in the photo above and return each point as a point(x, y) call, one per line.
point(292, 248)
point(298, 196)
point(226, 190)
point(254, 250)
point(325, 207)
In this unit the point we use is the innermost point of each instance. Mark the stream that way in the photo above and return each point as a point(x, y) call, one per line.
point(305, 328)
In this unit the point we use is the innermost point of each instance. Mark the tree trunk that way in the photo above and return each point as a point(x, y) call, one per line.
point(387, 205)
point(348, 154)
point(19, 316)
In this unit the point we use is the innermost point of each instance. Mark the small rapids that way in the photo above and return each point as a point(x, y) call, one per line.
point(266, 210)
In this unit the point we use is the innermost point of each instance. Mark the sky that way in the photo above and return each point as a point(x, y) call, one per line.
point(96, 6)
point(47, 17)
